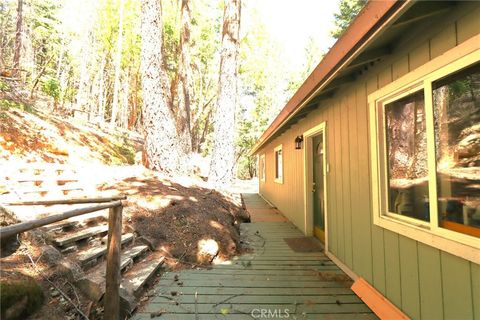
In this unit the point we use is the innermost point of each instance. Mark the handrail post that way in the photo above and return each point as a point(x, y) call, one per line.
point(113, 278)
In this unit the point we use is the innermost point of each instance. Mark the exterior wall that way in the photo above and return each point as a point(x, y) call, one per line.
point(424, 282)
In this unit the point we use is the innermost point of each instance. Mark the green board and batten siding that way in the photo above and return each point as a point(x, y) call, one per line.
point(424, 282)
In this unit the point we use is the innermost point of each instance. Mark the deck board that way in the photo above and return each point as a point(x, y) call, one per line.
point(271, 276)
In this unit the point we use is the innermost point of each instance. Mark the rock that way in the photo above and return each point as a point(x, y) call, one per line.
point(70, 269)
point(94, 242)
point(90, 264)
point(54, 293)
point(50, 255)
point(207, 251)
point(92, 286)
point(147, 241)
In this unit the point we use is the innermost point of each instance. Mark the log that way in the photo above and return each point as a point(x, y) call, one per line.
point(113, 277)
point(14, 229)
point(65, 201)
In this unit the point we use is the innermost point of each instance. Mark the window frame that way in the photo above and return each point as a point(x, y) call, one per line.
point(275, 152)
point(263, 170)
point(459, 244)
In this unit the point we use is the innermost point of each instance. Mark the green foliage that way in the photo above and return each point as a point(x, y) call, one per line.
point(51, 87)
point(458, 88)
point(127, 153)
point(4, 87)
point(45, 38)
point(248, 134)
point(6, 104)
point(312, 55)
point(15, 291)
point(347, 12)
point(266, 85)
point(7, 30)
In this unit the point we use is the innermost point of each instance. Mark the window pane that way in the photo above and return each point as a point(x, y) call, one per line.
point(407, 157)
point(276, 164)
point(279, 164)
point(456, 101)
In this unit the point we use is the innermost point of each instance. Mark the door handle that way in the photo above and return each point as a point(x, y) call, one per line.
point(313, 187)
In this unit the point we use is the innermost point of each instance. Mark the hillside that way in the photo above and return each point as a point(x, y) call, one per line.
point(33, 136)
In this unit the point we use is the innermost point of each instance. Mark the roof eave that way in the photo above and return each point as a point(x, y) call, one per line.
point(368, 23)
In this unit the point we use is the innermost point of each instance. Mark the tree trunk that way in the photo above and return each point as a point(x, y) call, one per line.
point(60, 60)
point(182, 82)
point(101, 93)
point(82, 93)
point(18, 39)
point(223, 154)
point(133, 115)
point(125, 102)
point(161, 141)
point(118, 56)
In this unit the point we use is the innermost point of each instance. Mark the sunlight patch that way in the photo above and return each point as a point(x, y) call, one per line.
point(207, 250)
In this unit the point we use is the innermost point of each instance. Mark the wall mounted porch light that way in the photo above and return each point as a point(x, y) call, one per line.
point(298, 142)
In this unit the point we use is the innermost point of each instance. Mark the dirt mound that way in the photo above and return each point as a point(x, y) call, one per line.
point(190, 222)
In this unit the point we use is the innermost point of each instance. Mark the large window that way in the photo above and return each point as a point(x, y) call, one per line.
point(456, 103)
point(406, 139)
point(426, 154)
point(278, 164)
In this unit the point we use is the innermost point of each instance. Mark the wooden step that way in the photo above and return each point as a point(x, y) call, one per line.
point(93, 284)
point(60, 225)
point(38, 178)
point(130, 254)
point(85, 256)
point(80, 235)
point(46, 190)
point(134, 280)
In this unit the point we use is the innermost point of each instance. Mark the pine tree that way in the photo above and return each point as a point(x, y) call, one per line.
point(183, 81)
point(348, 11)
point(161, 140)
point(18, 39)
point(223, 154)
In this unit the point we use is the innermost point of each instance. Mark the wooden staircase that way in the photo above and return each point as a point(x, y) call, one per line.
point(33, 180)
point(86, 245)
point(82, 240)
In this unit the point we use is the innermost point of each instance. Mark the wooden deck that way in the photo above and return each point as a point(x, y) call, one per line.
point(271, 282)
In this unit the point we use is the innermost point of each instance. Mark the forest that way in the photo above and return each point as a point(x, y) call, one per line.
point(84, 60)
point(90, 68)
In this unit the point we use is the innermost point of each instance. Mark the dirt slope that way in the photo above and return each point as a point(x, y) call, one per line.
point(36, 136)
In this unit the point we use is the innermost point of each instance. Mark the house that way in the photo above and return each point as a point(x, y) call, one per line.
point(378, 155)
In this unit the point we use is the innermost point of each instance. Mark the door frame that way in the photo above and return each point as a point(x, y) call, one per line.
point(308, 177)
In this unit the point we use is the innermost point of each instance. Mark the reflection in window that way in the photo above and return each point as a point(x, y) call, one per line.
point(407, 157)
point(278, 165)
point(456, 101)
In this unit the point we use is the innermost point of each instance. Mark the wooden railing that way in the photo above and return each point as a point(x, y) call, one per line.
point(115, 206)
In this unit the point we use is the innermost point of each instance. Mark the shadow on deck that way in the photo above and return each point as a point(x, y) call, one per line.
point(274, 281)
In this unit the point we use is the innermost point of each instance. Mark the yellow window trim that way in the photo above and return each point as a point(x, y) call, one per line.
point(280, 179)
point(462, 245)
